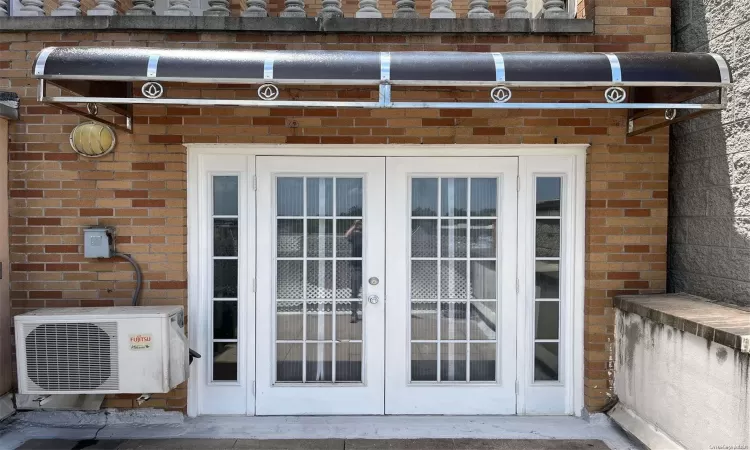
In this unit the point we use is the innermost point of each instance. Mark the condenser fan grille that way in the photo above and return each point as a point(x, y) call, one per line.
point(72, 356)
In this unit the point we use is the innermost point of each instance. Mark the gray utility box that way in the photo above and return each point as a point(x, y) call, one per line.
point(98, 242)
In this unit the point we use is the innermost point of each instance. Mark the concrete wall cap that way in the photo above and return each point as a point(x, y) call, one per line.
point(716, 322)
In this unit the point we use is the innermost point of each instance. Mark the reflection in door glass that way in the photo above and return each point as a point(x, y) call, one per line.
point(319, 262)
point(454, 283)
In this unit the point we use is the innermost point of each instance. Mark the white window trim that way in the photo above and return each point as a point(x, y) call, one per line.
point(201, 169)
point(199, 156)
point(566, 394)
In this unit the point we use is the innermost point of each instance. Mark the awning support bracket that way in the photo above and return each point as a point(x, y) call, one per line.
point(673, 115)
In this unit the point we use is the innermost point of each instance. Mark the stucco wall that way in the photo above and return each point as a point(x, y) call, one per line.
point(691, 389)
point(709, 209)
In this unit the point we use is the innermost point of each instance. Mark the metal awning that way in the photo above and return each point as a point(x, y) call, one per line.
point(638, 82)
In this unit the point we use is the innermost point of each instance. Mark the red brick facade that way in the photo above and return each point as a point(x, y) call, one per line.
point(141, 187)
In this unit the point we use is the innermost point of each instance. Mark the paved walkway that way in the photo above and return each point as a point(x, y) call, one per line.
point(315, 444)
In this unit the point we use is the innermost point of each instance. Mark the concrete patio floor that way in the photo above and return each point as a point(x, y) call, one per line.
point(315, 444)
point(153, 429)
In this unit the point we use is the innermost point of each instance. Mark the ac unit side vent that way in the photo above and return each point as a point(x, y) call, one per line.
point(72, 356)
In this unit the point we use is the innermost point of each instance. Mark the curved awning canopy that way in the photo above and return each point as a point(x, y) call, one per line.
point(634, 81)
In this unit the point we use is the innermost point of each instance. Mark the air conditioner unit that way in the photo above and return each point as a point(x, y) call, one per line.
point(117, 350)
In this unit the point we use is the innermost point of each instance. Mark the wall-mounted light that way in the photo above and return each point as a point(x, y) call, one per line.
point(92, 139)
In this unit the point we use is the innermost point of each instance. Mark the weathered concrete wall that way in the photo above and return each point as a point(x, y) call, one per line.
point(693, 390)
point(709, 208)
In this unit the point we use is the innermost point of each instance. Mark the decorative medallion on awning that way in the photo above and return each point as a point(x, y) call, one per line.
point(638, 82)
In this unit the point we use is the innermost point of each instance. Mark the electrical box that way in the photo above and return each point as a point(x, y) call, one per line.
point(98, 242)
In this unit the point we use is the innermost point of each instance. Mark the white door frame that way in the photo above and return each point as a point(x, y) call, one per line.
point(574, 171)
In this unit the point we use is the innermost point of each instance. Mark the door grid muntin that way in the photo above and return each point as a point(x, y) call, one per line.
point(462, 296)
point(327, 299)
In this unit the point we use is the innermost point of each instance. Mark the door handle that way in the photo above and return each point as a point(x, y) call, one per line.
point(373, 299)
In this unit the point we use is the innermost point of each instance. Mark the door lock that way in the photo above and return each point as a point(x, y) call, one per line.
point(373, 299)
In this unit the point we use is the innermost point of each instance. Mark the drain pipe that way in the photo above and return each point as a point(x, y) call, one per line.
point(138, 275)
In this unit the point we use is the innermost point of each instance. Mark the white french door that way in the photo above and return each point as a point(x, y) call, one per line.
point(321, 229)
point(401, 281)
point(451, 277)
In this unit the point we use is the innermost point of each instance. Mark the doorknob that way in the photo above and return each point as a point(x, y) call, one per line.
point(373, 299)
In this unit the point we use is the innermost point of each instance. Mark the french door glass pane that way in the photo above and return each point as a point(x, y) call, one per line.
point(225, 276)
point(548, 196)
point(547, 279)
point(424, 361)
point(483, 321)
point(453, 265)
point(424, 319)
point(546, 320)
point(289, 321)
point(319, 262)
point(289, 192)
point(289, 362)
point(349, 197)
point(546, 359)
point(424, 197)
point(320, 238)
point(319, 367)
point(483, 239)
point(453, 197)
point(225, 195)
point(453, 361)
point(319, 196)
point(289, 238)
point(483, 197)
point(424, 238)
point(548, 238)
point(453, 320)
point(225, 319)
point(225, 361)
point(483, 280)
point(453, 238)
point(347, 327)
point(424, 279)
point(349, 361)
point(482, 361)
point(452, 279)
point(225, 237)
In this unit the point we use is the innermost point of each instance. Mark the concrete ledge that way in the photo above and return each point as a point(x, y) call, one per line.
point(714, 322)
point(297, 25)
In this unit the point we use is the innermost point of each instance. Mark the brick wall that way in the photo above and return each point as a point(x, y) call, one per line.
point(140, 188)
